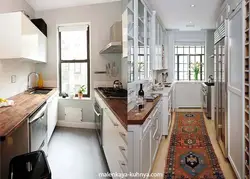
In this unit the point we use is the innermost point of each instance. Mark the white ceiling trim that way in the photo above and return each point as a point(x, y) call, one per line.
point(41, 5)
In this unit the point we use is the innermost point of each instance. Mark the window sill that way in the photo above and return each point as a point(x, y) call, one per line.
point(76, 99)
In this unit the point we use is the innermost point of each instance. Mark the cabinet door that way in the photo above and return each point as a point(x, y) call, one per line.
point(110, 146)
point(30, 39)
point(52, 115)
point(145, 153)
point(42, 48)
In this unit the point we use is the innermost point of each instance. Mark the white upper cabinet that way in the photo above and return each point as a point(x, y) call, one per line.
point(233, 4)
point(158, 55)
point(21, 39)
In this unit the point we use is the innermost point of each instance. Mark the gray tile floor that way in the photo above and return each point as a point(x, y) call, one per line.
point(75, 154)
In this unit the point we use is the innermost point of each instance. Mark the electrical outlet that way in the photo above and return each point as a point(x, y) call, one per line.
point(13, 79)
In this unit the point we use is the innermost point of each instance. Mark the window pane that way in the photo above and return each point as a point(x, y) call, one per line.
point(192, 59)
point(74, 45)
point(192, 50)
point(175, 67)
point(185, 59)
point(72, 81)
point(198, 59)
point(198, 50)
point(181, 67)
point(180, 50)
point(186, 50)
point(175, 58)
point(181, 75)
point(185, 67)
point(181, 59)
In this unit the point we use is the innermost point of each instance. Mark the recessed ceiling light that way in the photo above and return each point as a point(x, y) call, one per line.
point(190, 22)
point(192, 5)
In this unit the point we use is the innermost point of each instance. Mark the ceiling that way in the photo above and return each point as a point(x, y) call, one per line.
point(178, 14)
point(40, 5)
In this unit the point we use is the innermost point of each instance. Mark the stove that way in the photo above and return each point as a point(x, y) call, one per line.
point(112, 93)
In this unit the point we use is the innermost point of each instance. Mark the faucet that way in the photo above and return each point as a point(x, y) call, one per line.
point(211, 79)
point(28, 87)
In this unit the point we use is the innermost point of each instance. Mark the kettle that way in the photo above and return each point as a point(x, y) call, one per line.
point(117, 84)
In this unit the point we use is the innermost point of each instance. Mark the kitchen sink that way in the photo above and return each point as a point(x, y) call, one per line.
point(209, 84)
point(41, 91)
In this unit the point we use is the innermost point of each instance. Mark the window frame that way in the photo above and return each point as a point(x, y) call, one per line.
point(177, 57)
point(75, 61)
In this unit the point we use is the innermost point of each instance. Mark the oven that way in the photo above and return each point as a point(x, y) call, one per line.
point(98, 112)
point(38, 130)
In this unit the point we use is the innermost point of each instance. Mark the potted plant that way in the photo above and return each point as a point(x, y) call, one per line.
point(196, 69)
point(81, 90)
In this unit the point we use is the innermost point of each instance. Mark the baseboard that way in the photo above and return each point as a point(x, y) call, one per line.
point(234, 167)
point(84, 125)
point(191, 107)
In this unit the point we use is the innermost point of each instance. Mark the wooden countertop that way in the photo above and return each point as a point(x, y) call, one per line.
point(118, 107)
point(25, 105)
point(138, 118)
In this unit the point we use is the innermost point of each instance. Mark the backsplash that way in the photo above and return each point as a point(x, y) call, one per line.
point(133, 89)
point(20, 69)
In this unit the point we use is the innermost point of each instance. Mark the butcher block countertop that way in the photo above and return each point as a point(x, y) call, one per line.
point(138, 118)
point(118, 107)
point(25, 105)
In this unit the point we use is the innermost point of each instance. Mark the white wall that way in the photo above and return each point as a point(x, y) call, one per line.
point(16, 5)
point(101, 17)
point(14, 67)
point(182, 38)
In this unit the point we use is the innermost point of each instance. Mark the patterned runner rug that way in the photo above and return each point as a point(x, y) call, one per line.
point(191, 154)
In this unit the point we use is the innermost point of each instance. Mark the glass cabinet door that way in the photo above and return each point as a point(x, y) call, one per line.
point(131, 65)
point(141, 41)
point(148, 46)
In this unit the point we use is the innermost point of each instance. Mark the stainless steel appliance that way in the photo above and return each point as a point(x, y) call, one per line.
point(98, 120)
point(206, 94)
point(38, 129)
point(221, 81)
point(112, 93)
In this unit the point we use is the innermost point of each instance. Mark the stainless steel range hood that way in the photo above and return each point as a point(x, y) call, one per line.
point(115, 45)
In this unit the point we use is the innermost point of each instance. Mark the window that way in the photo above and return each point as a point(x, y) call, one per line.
point(74, 59)
point(185, 56)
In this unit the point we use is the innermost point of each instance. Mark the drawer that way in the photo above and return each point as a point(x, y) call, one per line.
point(123, 152)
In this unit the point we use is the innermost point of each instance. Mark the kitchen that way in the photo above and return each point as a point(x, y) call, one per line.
point(73, 147)
point(173, 43)
point(114, 78)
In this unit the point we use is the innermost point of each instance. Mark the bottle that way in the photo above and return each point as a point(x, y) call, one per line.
point(40, 81)
point(141, 97)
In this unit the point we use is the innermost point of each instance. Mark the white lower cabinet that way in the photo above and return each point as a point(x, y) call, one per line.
point(52, 114)
point(114, 143)
point(145, 152)
point(144, 141)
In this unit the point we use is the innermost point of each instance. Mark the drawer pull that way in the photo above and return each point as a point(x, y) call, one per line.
point(123, 166)
point(114, 123)
point(123, 136)
point(123, 152)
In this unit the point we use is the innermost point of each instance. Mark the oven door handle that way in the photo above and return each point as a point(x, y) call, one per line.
point(98, 114)
point(36, 119)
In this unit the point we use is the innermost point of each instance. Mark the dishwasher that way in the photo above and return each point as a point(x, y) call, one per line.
point(38, 130)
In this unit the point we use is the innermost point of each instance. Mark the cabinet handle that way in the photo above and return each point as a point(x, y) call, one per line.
point(122, 166)
point(114, 123)
point(123, 136)
point(123, 152)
